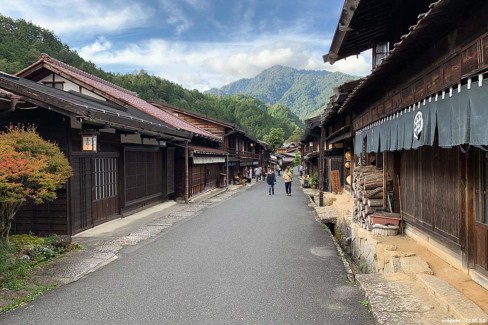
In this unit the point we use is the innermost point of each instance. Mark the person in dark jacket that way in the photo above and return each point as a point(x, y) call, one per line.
point(271, 180)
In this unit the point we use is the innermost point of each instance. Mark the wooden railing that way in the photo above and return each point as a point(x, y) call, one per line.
point(241, 153)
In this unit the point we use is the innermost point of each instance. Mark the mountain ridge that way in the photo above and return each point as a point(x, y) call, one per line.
point(23, 42)
point(304, 92)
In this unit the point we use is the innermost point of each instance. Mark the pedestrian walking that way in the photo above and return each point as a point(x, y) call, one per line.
point(288, 177)
point(300, 170)
point(248, 174)
point(257, 173)
point(271, 180)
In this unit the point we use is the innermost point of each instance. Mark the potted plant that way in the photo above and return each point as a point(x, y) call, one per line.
point(314, 180)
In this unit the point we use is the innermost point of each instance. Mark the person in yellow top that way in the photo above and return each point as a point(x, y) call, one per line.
point(288, 177)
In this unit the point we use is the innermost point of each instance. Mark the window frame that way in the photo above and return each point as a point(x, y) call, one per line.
point(481, 189)
point(53, 84)
point(105, 178)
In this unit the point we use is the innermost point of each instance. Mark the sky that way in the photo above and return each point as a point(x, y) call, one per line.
point(198, 44)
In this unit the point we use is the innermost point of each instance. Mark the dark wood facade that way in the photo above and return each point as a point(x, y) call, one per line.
point(119, 178)
point(327, 143)
point(438, 174)
point(310, 146)
point(50, 217)
point(211, 163)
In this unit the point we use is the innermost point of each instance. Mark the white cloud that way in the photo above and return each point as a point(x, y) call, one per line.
point(79, 16)
point(109, 25)
point(206, 65)
point(199, 4)
point(175, 16)
point(357, 66)
point(98, 46)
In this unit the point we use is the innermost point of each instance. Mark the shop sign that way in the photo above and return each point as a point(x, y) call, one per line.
point(418, 125)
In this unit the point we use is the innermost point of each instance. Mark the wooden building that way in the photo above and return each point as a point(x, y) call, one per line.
point(206, 163)
point(217, 166)
point(326, 145)
point(310, 147)
point(147, 154)
point(287, 154)
point(55, 73)
point(422, 114)
point(124, 169)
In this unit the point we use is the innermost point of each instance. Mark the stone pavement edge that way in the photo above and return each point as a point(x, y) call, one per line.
point(407, 293)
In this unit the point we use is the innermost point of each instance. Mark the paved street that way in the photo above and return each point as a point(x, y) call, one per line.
point(248, 259)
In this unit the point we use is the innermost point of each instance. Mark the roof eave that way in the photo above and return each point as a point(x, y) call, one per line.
point(343, 27)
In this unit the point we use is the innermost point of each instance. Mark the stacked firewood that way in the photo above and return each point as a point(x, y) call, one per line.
point(368, 192)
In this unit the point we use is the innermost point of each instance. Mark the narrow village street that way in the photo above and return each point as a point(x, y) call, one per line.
point(135, 138)
point(252, 258)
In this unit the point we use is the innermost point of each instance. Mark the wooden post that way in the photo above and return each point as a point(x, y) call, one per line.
point(321, 165)
point(227, 171)
point(187, 178)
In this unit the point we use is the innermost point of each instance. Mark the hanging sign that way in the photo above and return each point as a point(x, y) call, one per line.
point(335, 181)
point(418, 125)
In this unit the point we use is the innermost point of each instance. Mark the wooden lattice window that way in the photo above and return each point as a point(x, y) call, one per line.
point(105, 172)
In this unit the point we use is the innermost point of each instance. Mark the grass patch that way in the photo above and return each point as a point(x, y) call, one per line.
point(20, 259)
point(365, 303)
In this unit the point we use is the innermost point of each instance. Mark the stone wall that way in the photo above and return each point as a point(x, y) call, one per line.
point(370, 255)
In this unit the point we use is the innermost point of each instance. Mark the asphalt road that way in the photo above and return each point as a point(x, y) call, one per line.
point(251, 259)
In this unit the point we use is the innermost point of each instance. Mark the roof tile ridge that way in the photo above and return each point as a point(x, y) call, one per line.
point(50, 60)
point(46, 58)
point(162, 106)
point(185, 123)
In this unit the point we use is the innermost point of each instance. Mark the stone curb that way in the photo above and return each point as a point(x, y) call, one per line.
point(350, 274)
point(452, 300)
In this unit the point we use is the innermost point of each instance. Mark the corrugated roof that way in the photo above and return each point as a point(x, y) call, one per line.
point(117, 93)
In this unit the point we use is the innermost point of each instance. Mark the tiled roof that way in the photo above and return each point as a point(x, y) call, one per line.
point(92, 110)
point(121, 94)
point(169, 107)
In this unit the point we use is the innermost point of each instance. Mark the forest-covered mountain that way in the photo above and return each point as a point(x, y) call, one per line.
point(305, 92)
point(21, 44)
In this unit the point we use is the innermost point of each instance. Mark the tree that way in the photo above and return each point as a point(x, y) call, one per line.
point(295, 136)
point(297, 160)
point(275, 138)
point(31, 170)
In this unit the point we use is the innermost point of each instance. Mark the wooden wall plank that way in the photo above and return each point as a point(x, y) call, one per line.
point(470, 59)
point(430, 192)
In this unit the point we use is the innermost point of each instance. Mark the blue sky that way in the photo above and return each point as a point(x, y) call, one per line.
point(198, 44)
